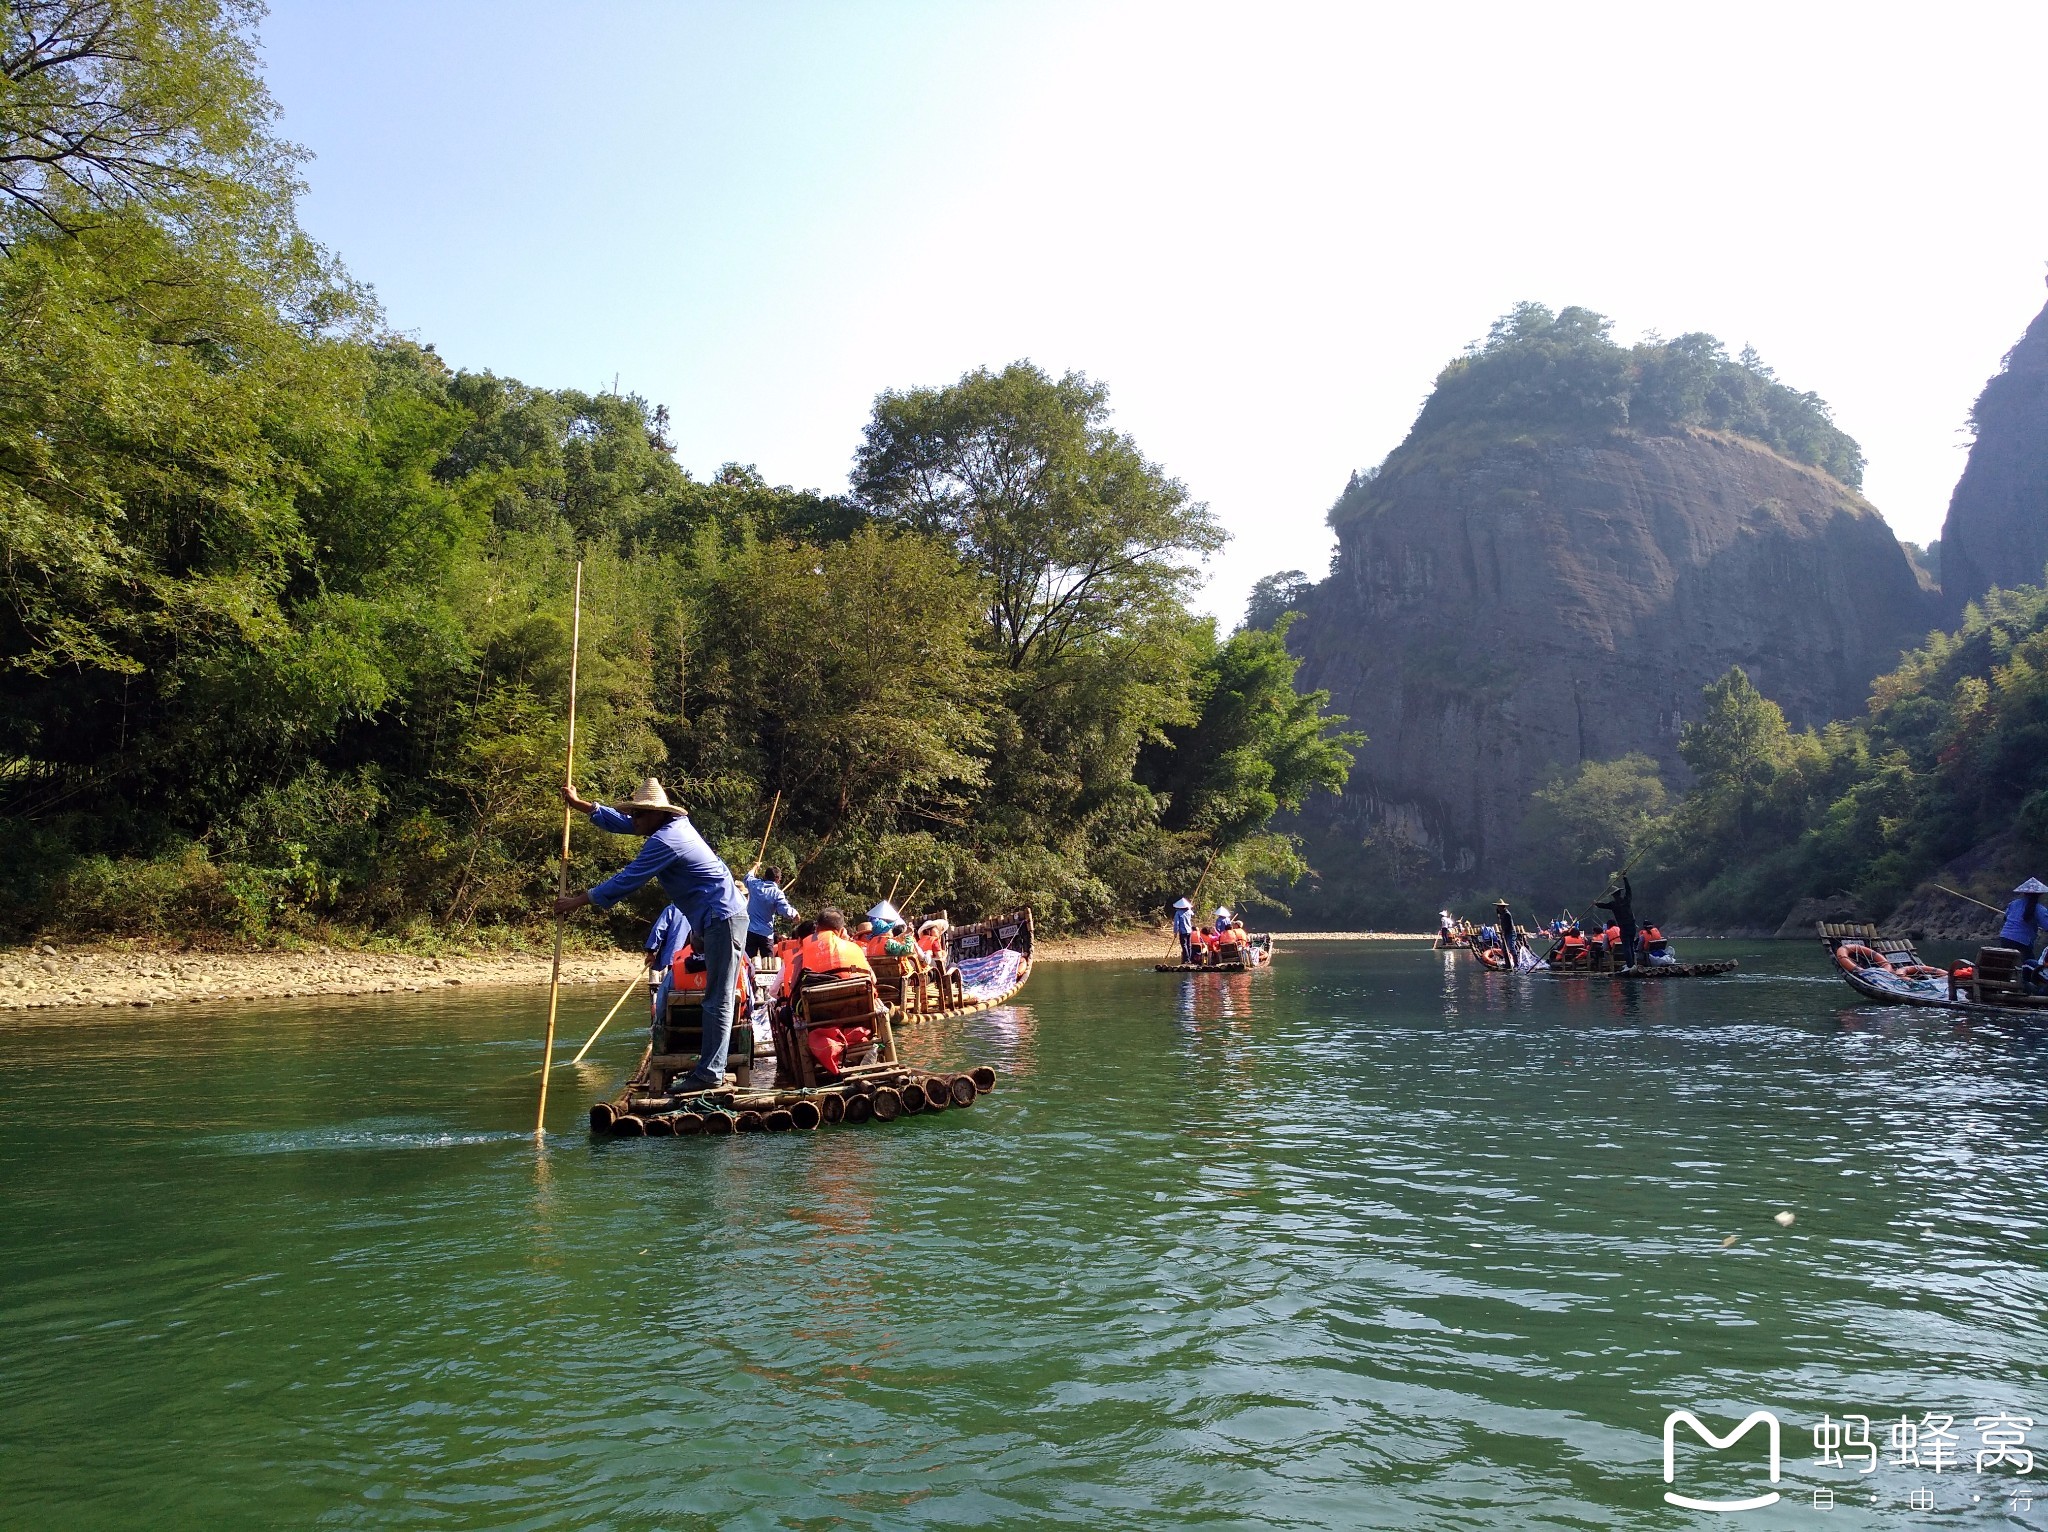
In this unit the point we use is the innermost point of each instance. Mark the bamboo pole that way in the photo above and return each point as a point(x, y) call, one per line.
point(913, 893)
point(761, 855)
point(547, 1058)
point(635, 983)
point(890, 897)
point(1994, 909)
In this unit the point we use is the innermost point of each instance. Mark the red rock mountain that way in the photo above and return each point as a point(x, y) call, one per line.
point(1500, 611)
point(1997, 527)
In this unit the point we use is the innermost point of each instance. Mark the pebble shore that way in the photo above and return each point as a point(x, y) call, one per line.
point(45, 976)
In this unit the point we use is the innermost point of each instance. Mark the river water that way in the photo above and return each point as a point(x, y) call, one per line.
point(1371, 1240)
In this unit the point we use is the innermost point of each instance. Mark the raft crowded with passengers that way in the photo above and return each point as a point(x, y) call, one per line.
point(831, 1042)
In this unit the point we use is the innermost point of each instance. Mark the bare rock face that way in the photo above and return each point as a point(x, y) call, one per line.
point(1997, 527)
point(1500, 613)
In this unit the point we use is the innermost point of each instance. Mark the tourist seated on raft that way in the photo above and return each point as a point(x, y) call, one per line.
point(931, 941)
point(789, 949)
point(1656, 949)
point(828, 954)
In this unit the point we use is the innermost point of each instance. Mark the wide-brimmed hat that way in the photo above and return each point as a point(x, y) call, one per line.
point(2032, 886)
point(1223, 910)
point(652, 798)
point(936, 923)
point(1182, 904)
point(884, 914)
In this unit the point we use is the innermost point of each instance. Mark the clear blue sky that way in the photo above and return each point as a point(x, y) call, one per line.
point(1265, 227)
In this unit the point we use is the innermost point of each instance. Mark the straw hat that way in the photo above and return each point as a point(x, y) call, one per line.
point(1182, 904)
point(936, 923)
point(650, 799)
point(2032, 886)
point(884, 914)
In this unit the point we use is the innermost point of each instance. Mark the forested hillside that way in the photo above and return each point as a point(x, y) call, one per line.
point(286, 610)
point(1952, 754)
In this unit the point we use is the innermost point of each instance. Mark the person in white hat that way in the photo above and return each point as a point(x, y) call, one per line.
point(697, 882)
point(1222, 919)
point(2024, 917)
point(1184, 929)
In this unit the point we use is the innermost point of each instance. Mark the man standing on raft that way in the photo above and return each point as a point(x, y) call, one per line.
point(697, 883)
point(1621, 903)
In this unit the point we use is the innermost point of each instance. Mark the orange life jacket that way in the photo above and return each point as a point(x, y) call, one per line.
point(829, 953)
point(874, 944)
point(1612, 936)
point(1652, 934)
point(931, 944)
point(1574, 943)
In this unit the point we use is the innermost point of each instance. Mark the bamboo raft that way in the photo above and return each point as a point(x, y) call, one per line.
point(1648, 971)
point(1988, 987)
point(871, 1084)
point(1258, 955)
point(1496, 964)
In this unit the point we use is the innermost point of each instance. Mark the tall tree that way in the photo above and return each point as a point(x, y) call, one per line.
point(1080, 537)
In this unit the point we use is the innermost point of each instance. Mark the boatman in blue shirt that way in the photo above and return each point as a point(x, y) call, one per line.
point(697, 883)
point(2024, 917)
point(1184, 928)
point(765, 900)
point(670, 930)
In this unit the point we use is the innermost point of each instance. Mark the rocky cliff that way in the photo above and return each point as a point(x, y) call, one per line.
point(1997, 527)
point(1501, 610)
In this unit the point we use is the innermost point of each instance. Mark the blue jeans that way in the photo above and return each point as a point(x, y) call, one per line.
point(722, 943)
point(1187, 948)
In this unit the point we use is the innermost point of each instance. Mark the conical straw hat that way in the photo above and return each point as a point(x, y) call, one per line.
point(650, 799)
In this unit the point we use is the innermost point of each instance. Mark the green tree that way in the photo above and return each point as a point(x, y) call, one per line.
point(1080, 538)
point(1274, 596)
point(1584, 824)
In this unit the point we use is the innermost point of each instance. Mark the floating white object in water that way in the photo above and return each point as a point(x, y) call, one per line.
point(1727, 1242)
point(1783, 1220)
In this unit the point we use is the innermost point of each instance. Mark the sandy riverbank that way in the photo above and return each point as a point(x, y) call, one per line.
point(33, 978)
point(40, 977)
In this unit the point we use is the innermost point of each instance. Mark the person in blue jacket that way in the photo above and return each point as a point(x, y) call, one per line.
point(2024, 917)
point(1184, 928)
point(697, 883)
point(765, 900)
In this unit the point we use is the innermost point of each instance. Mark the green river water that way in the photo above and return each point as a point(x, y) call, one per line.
point(1371, 1240)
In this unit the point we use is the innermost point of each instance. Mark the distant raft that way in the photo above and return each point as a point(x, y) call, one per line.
point(1231, 957)
point(1497, 960)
